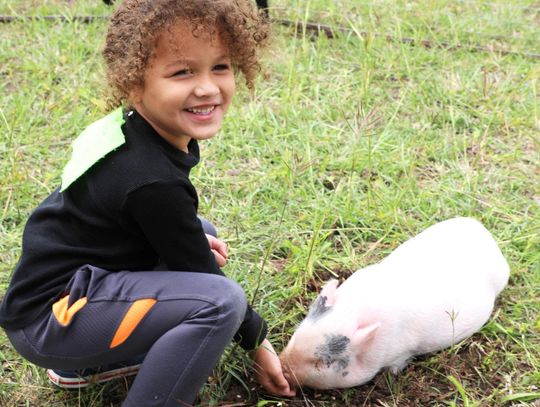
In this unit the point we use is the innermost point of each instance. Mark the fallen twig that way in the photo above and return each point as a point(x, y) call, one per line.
point(331, 31)
point(62, 18)
point(328, 30)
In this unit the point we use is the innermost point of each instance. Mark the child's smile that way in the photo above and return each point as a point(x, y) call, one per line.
point(188, 86)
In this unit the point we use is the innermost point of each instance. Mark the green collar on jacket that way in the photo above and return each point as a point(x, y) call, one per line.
point(94, 143)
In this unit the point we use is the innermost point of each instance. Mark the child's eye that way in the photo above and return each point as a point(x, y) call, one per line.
point(221, 67)
point(183, 72)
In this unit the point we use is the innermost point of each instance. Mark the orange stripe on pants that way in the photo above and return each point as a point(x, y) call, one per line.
point(65, 314)
point(133, 317)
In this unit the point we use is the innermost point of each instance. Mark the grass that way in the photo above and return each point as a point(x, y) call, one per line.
point(350, 146)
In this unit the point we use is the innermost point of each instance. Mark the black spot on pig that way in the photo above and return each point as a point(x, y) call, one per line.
point(332, 353)
point(336, 344)
point(318, 308)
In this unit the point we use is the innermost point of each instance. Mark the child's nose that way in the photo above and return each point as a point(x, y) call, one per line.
point(206, 87)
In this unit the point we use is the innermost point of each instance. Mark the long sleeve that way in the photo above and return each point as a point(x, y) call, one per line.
point(166, 212)
point(167, 215)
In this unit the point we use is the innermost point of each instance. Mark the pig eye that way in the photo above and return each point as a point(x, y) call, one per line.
point(318, 364)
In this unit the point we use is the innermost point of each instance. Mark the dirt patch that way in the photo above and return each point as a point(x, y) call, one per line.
point(424, 382)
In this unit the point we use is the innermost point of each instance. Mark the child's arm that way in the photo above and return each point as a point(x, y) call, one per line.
point(268, 371)
point(166, 214)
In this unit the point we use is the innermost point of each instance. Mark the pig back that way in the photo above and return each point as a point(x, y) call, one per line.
point(456, 249)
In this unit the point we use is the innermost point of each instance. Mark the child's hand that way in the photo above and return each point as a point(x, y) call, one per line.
point(219, 248)
point(268, 371)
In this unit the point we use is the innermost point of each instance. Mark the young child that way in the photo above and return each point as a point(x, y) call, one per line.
point(87, 291)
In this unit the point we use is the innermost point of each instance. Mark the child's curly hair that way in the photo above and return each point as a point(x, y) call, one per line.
point(137, 25)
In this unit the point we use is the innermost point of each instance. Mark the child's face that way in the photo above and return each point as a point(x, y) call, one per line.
point(188, 86)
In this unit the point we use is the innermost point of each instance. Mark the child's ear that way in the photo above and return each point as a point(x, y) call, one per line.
point(135, 96)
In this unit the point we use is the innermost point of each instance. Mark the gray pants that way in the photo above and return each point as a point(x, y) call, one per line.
point(182, 321)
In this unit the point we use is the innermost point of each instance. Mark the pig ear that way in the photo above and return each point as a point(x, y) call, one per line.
point(329, 291)
point(324, 301)
point(364, 335)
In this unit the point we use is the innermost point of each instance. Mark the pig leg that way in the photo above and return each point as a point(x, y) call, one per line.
point(399, 365)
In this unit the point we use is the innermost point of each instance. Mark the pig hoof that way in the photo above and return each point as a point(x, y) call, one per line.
point(399, 366)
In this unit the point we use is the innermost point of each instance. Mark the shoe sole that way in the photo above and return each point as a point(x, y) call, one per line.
point(85, 381)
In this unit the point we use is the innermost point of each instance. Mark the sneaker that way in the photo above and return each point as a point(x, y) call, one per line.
point(76, 379)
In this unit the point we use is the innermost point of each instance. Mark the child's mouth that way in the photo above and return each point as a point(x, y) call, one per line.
point(203, 111)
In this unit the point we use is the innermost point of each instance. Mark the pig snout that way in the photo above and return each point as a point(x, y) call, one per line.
point(288, 368)
point(287, 373)
point(320, 361)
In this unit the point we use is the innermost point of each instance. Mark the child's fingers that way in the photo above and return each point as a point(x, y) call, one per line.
point(279, 388)
point(269, 371)
point(282, 386)
point(220, 260)
point(282, 383)
point(218, 245)
point(279, 381)
point(222, 249)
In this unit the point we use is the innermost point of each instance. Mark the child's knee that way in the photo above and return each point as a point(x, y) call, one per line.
point(232, 300)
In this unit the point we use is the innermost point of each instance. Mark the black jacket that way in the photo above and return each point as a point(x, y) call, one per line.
point(133, 209)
